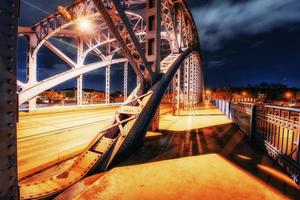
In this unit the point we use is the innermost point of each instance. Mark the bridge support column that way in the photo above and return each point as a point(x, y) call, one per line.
point(186, 77)
point(191, 83)
point(194, 79)
point(79, 90)
point(153, 37)
point(79, 64)
point(32, 103)
point(107, 85)
point(125, 80)
point(155, 121)
point(153, 43)
point(8, 101)
point(31, 75)
point(176, 94)
point(31, 69)
point(197, 85)
point(202, 86)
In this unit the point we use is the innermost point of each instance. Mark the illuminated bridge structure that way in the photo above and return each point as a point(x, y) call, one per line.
point(157, 38)
point(152, 41)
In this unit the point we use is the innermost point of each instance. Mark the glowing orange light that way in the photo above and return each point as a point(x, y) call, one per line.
point(288, 95)
point(85, 25)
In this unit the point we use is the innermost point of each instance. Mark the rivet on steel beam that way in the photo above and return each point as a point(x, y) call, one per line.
point(10, 69)
point(10, 125)
point(11, 48)
point(10, 135)
point(11, 59)
point(10, 81)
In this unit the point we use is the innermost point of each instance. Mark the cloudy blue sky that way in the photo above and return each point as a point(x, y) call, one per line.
point(249, 41)
point(242, 41)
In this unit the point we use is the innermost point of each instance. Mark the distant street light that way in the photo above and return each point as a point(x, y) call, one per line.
point(244, 93)
point(288, 95)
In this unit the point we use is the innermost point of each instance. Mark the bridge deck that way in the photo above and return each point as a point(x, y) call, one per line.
point(49, 136)
point(204, 156)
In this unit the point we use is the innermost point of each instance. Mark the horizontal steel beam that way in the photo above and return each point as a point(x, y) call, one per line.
point(34, 90)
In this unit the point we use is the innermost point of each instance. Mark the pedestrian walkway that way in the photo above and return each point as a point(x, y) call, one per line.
point(200, 157)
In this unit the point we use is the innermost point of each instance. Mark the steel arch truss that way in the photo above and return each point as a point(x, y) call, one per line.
point(122, 30)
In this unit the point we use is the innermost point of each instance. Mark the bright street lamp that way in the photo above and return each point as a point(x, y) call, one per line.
point(85, 25)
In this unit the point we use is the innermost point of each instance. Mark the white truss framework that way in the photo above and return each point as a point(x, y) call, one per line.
point(120, 29)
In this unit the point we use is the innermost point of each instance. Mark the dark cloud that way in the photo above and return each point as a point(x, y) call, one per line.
point(221, 20)
point(243, 41)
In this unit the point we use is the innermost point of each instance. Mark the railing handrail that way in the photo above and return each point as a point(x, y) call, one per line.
point(279, 135)
point(265, 105)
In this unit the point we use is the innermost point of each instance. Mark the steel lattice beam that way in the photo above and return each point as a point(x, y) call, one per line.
point(131, 52)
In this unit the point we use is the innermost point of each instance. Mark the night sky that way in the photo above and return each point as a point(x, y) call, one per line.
point(242, 42)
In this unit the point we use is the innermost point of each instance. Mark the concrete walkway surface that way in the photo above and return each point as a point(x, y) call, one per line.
point(208, 158)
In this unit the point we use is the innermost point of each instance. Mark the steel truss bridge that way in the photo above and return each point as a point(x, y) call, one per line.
point(157, 38)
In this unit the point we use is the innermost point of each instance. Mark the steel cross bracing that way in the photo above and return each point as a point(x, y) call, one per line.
point(119, 29)
point(169, 25)
point(57, 26)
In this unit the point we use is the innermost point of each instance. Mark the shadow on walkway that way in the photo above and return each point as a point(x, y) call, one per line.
point(226, 140)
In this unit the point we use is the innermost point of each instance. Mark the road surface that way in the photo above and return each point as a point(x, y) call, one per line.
point(47, 138)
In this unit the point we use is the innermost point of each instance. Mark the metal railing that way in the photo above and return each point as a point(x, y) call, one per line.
point(275, 129)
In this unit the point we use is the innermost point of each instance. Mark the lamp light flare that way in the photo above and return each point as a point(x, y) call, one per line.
point(288, 95)
point(85, 25)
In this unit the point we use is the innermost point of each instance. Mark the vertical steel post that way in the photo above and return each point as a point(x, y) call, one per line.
point(298, 144)
point(252, 122)
point(186, 77)
point(79, 90)
point(125, 80)
point(80, 77)
point(107, 85)
point(153, 43)
point(194, 81)
point(176, 93)
point(32, 103)
point(153, 37)
point(191, 79)
point(9, 12)
point(31, 75)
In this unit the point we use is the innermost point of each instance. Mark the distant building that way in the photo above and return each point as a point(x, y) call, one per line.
point(50, 96)
point(69, 93)
point(88, 95)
